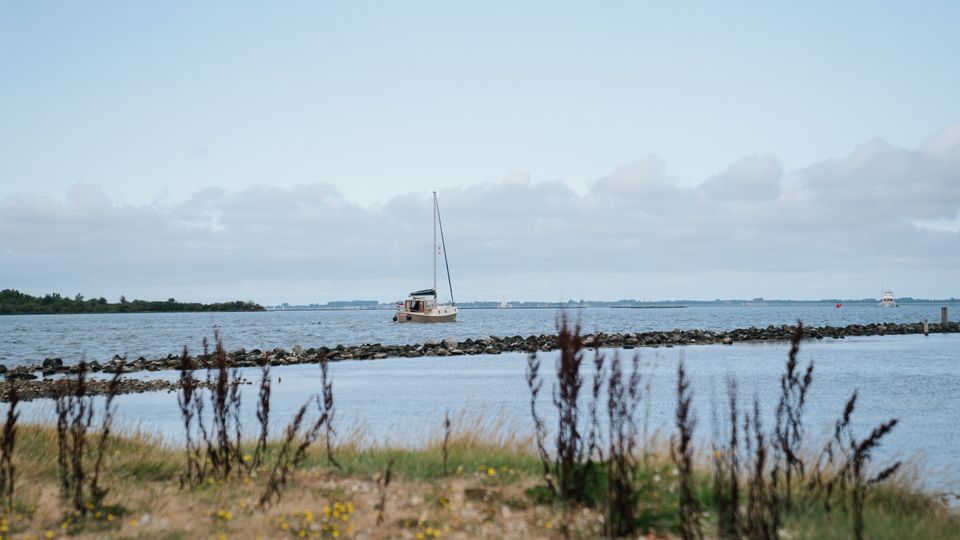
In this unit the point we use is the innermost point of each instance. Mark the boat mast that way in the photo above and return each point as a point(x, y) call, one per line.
point(443, 243)
point(434, 244)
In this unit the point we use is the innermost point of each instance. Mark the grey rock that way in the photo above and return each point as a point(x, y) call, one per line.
point(52, 363)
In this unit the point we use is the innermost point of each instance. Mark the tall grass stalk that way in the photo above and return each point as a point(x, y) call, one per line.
point(681, 451)
point(623, 397)
point(535, 384)
point(75, 412)
point(788, 429)
point(762, 519)
point(263, 415)
point(566, 393)
point(327, 409)
point(7, 445)
point(726, 472)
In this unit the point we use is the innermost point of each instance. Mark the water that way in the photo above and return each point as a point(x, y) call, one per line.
point(912, 378)
point(31, 338)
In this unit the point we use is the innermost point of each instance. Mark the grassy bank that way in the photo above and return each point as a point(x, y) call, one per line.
point(490, 489)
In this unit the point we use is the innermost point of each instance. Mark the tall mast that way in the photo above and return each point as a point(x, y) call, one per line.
point(435, 244)
point(443, 243)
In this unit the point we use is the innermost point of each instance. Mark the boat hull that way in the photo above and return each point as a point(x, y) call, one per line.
point(446, 315)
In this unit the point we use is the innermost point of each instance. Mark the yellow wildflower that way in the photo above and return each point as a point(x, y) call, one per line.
point(491, 472)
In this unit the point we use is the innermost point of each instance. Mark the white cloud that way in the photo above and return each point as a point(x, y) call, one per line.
point(754, 178)
point(881, 213)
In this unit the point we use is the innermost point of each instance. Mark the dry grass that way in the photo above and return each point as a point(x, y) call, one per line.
point(485, 495)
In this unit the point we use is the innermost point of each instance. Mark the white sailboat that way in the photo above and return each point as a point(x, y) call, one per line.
point(422, 306)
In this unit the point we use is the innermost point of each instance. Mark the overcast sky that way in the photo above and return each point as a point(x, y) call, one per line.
point(287, 152)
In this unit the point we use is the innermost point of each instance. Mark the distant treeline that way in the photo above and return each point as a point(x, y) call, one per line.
point(13, 302)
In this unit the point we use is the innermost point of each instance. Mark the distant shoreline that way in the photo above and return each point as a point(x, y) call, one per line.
point(14, 302)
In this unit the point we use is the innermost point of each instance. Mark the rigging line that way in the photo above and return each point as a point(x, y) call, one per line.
point(443, 244)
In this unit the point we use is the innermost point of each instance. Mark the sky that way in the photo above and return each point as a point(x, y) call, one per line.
point(287, 152)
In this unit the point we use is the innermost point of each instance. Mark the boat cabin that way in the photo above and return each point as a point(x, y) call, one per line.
point(424, 301)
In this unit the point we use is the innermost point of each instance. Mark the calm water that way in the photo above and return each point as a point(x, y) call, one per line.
point(913, 378)
point(30, 339)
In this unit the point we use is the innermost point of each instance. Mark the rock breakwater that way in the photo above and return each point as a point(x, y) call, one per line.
point(55, 367)
point(29, 390)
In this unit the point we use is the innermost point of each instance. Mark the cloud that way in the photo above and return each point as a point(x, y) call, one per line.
point(882, 213)
point(878, 179)
point(753, 178)
point(945, 144)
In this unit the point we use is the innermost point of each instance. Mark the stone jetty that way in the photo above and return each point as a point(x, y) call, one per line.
point(54, 367)
point(28, 390)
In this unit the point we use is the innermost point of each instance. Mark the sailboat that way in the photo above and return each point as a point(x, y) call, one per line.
point(422, 306)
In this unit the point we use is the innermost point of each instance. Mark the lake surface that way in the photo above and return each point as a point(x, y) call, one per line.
point(913, 378)
point(31, 338)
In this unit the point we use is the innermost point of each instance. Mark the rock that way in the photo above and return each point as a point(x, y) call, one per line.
point(53, 363)
point(727, 340)
point(20, 373)
point(3, 369)
point(450, 343)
